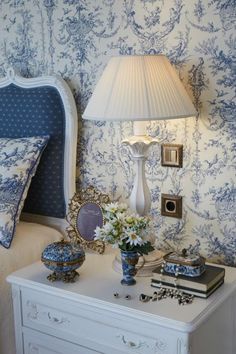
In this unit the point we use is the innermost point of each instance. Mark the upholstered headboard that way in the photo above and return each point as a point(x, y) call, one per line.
point(43, 106)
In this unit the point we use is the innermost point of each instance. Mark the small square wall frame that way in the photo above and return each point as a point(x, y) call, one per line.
point(172, 155)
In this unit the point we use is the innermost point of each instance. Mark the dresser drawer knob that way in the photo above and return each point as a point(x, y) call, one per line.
point(132, 344)
point(33, 349)
point(57, 320)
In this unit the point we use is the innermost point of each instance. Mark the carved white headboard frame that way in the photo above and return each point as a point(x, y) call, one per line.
point(71, 127)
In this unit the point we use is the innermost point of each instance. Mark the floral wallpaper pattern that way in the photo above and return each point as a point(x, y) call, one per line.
point(75, 38)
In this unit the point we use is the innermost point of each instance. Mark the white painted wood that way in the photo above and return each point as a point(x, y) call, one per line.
point(38, 343)
point(82, 325)
point(71, 127)
point(17, 317)
point(87, 314)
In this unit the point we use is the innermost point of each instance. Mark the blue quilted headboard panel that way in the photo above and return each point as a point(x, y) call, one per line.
point(31, 112)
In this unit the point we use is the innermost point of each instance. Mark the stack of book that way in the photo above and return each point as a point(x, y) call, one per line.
point(202, 286)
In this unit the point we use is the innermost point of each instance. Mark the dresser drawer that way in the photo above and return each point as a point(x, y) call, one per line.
point(95, 327)
point(39, 343)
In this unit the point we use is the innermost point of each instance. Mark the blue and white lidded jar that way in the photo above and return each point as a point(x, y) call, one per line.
point(63, 258)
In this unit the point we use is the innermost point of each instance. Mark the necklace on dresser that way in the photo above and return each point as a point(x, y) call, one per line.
point(175, 293)
point(164, 292)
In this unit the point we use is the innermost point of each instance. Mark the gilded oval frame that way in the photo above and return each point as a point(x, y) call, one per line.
point(88, 197)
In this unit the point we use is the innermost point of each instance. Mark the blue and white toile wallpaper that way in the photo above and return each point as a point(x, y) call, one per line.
point(75, 38)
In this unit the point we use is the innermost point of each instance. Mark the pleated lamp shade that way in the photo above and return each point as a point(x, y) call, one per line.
point(138, 88)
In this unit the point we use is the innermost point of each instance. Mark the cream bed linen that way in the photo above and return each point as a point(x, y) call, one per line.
point(29, 241)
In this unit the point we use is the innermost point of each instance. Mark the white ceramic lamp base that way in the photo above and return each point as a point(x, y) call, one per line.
point(140, 198)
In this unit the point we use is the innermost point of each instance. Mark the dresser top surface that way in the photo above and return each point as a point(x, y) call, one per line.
point(98, 282)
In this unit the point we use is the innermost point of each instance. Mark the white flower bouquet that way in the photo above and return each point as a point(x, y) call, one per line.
point(122, 229)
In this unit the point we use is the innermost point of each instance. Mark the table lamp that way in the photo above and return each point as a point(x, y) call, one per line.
point(139, 88)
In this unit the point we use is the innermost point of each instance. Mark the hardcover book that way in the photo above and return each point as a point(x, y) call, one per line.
point(207, 280)
point(203, 294)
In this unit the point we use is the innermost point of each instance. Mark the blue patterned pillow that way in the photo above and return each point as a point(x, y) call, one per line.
point(19, 159)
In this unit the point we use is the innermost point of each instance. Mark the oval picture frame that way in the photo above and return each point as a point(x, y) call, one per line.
point(85, 214)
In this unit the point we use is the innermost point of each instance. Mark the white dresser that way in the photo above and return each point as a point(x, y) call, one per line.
point(85, 317)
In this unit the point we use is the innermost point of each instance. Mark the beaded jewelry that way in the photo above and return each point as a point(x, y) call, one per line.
point(127, 297)
point(117, 296)
point(144, 298)
point(163, 293)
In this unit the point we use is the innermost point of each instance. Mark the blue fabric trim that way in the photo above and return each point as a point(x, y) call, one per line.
point(33, 112)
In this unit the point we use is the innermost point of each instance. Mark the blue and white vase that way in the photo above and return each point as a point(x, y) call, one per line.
point(129, 259)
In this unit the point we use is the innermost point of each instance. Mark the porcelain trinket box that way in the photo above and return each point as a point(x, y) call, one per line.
point(63, 258)
point(189, 265)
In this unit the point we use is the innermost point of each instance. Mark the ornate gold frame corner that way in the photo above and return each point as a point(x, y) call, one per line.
point(89, 195)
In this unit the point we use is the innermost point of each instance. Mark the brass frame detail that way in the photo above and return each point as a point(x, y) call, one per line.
point(89, 195)
point(66, 277)
point(63, 264)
